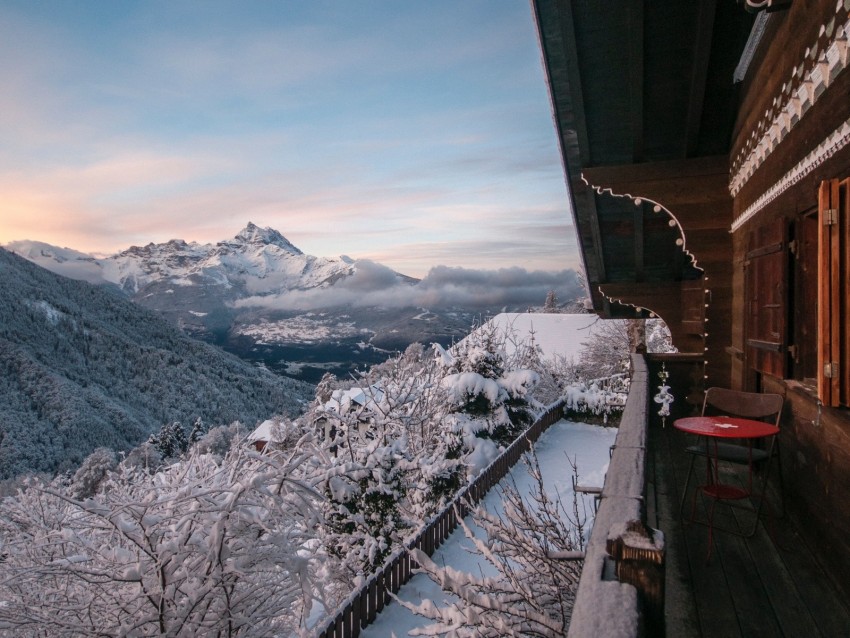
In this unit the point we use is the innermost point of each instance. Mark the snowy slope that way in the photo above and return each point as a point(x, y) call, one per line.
point(587, 445)
point(556, 334)
point(63, 261)
point(84, 367)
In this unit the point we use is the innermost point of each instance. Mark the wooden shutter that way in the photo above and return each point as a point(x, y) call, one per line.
point(834, 292)
point(766, 294)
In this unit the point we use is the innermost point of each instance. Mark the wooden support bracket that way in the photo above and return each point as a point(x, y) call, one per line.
point(639, 553)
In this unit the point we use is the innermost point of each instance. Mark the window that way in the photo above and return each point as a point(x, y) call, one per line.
point(833, 371)
point(804, 321)
point(808, 337)
point(766, 293)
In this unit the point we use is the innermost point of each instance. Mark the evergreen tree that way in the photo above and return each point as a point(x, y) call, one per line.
point(92, 473)
point(197, 432)
point(171, 441)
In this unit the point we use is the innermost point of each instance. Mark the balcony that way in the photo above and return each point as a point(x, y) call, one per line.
point(772, 584)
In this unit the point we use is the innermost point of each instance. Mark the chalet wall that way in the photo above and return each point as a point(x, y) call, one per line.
point(789, 34)
point(815, 447)
point(815, 441)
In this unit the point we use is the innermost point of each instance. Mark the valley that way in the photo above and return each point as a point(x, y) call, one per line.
point(261, 298)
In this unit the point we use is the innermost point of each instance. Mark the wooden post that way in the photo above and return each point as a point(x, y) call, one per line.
point(639, 554)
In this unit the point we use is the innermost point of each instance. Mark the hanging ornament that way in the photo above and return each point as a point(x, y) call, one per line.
point(664, 397)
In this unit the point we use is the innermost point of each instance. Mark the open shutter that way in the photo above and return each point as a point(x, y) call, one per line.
point(834, 292)
point(766, 294)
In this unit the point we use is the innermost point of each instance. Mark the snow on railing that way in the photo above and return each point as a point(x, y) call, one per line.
point(606, 605)
point(364, 604)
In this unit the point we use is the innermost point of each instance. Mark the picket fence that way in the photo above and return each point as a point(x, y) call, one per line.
point(363, 605)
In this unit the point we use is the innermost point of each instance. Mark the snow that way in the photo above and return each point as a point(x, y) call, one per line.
point(470, 384)
point(302, 329)
point(263, 431)
point(484, 452)
point(519, 382)
point(588, 445)
point(557, 334)
point(70, 262)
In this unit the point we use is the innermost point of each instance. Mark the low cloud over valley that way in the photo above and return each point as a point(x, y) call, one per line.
point(375, 285)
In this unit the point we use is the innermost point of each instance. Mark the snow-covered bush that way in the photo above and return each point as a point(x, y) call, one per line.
point(402, 440)
point(363, 522)
point(534, 587)
point(488, 391)
point(607, 352)
point(218, 440)
point(597, 397)
point(144, 457)
point(202, 548)
point(383, 441)
point(171, 440)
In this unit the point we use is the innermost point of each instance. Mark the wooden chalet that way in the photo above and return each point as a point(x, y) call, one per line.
point(706, 146)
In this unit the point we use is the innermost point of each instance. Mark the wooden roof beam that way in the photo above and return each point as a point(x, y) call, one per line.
point(639, 242)
point(699, 74)
point(636, 77)
point(556, 29)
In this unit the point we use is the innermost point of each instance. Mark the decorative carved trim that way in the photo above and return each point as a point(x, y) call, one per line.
point(826, 149)
point(656, 208)
point(810, 79)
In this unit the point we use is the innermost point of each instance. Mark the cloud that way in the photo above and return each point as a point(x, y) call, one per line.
point(375, 285)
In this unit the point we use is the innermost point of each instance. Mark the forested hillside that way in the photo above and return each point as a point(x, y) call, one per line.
point(81, 367)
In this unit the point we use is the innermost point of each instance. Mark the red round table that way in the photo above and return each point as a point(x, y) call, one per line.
point(725, 427)
point(719, 427)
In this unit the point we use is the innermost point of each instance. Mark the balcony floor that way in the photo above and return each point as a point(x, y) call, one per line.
point(768, 585)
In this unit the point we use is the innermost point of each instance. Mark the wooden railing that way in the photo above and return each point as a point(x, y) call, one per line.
point(607, 603)
point(363, 605)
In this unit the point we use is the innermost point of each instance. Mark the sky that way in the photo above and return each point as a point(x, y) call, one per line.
point(413, 134)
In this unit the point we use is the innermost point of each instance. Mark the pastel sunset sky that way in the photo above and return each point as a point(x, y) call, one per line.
point(411, 133)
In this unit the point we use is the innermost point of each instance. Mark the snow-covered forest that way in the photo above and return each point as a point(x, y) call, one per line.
point(82, 367)
point(194, 532)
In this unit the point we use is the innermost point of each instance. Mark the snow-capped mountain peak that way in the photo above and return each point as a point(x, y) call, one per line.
point(256, 236)
point(256, 261)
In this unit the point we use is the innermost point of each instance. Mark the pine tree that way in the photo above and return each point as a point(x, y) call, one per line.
point(197, 432)
point(88, 479)
point(171, 440)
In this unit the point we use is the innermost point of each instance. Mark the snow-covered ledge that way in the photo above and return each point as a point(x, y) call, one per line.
point(604, 606)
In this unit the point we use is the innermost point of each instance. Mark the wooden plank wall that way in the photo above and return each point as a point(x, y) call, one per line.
point(815, 439)
point(815, 447)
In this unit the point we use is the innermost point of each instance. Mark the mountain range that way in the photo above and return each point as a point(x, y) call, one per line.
point(255, 296)
point(81, 366)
